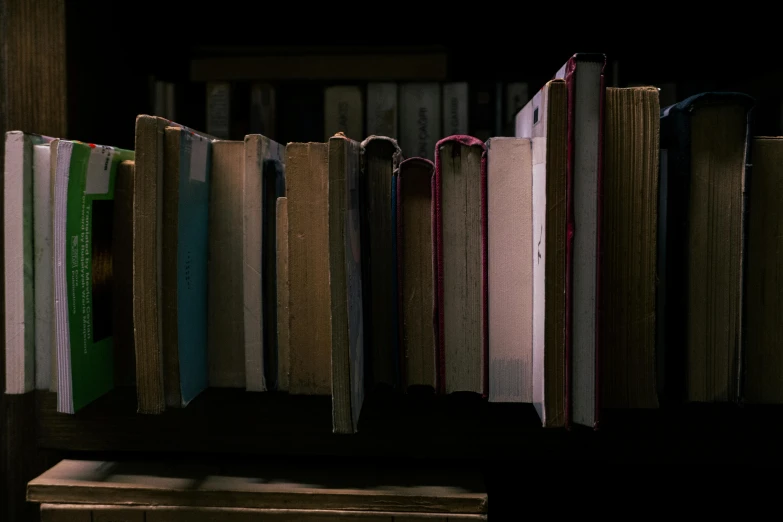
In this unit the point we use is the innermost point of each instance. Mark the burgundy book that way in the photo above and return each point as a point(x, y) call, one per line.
point(460, 241)
point(584, 77)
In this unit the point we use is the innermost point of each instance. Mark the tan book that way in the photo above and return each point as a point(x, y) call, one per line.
point(148, 202)
point(763, 357)
point(628, 262)
point(416, 275)
point(225, 328)
point(283, 319)
point(344, 111)
point(263, 180)
point(544, 120)
point(310, 342)
point(192, 485)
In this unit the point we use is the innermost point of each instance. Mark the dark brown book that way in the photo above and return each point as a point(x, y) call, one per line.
point(628, 262)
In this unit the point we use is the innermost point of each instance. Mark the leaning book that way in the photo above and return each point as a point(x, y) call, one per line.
point(82, 220)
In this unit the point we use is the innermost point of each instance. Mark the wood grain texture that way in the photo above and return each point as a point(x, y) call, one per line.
point(196, 484)
point(33, 99)
point(112, 513)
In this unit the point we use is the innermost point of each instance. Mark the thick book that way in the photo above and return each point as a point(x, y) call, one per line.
point(380, 158)
point(263, 183)
point(345, 283)
point(82, 228)
point(184, 268)
point(763, 359)
point(309, 297)
point(584, 77)
point(704, 175)
point(415, 273)
point(544, 119)
point(460, 203)
point(21, 181)
point(630, 214)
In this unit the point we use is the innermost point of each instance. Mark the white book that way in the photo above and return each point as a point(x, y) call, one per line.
point(420, 122)
point(19, 261)
point(510, 269)
point(382, 109)
point(455, 108)
point(42, 241)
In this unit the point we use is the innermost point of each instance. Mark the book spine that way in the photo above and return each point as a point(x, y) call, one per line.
point(420, 122)
point(218, 109)
point(382, 109)
point(343, 112)
point(455, 108)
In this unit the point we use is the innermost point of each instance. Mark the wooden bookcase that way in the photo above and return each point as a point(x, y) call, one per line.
point(90, 86)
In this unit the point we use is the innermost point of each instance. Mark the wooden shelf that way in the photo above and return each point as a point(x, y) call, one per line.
point(224, 421)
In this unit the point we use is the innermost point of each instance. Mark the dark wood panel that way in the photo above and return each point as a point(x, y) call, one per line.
point(32, 99)
point(466, 428)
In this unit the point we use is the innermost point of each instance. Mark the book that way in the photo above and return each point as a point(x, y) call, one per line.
point(43, 269)
point(629, 223)
point(21, 179)
point(380, 158)
point(510, 269)
point(382, 109)
point(282, 330)
point(82, 227)
point(420, 119)
point(544, 120)
point(461, 261)
point(584, 77)
point(345, 283)
point(186, 182)
point(226, 335)
point(415, 271)
point(309, 295)
point(263, 183)
point(455, 108)
point(763, 360)
point(704, 170)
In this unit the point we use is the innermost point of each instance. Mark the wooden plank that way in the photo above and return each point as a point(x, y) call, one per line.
point(33, 99)
point(196, 484)
point(357, 67)
point(114, 513)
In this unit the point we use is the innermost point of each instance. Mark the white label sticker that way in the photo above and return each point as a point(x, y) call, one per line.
point(98, 170)
point(198, 158)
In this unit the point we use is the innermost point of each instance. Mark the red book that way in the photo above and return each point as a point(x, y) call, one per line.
point(460, 252)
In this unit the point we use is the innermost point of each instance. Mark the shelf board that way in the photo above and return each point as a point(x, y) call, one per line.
point(226, 421)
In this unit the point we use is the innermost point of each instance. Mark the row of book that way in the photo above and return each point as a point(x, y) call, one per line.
point(603, 257)
point(415, 114)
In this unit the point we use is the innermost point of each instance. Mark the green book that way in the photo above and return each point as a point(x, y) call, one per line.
point(82, 228)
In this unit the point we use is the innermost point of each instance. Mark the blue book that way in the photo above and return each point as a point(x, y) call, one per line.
point(184, 264)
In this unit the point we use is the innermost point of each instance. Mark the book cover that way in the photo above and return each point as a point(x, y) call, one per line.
point(84, 194)
point(192, 256)
point(19, 261)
